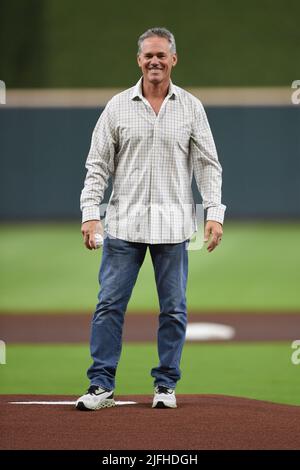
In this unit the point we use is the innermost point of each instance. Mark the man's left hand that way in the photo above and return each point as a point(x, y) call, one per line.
point(213, 233)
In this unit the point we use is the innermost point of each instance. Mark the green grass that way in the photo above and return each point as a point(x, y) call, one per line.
point(262, 371)
point(219, 43)
point(46, 268)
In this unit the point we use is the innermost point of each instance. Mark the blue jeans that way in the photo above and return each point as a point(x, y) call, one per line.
point(120, 265)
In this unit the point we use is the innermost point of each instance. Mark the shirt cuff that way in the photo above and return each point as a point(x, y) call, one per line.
point(216, 213)
point(90, 213)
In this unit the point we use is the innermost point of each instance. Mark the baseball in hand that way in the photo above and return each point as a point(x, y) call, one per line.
point(98, 240)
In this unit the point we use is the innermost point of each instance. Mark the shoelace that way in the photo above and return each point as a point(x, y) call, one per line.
point(92, 390)
point(162, 389)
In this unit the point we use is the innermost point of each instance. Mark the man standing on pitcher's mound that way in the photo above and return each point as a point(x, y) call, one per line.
point(150, 138)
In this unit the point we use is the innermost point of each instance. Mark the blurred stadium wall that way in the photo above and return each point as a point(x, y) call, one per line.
point(61, 62)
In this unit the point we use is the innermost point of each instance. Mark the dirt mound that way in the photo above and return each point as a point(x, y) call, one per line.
point(199, 422)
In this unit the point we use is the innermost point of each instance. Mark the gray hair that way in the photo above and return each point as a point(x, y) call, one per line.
point(160, 32)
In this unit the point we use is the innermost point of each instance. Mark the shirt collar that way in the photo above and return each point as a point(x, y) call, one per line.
point(138, 93)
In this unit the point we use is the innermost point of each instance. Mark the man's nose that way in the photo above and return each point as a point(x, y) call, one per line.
point(154, 61)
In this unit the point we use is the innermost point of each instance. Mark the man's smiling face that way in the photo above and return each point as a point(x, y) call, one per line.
point(156, 60)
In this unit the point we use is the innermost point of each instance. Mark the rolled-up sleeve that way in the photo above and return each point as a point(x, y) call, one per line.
point(99, 165)
point(206, 166)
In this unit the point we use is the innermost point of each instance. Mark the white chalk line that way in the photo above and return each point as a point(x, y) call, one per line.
point(119, 403)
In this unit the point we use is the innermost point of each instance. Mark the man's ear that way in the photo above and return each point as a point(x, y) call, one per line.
point(138, 60)
point(175, 59)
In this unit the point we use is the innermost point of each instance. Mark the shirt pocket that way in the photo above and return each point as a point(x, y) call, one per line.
point(134, 133)
point(177, 135)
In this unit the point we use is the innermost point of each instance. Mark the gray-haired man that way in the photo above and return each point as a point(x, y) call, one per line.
point(150, 138)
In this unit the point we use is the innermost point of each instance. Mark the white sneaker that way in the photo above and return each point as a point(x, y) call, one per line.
point(96, 398)
point(164, 397)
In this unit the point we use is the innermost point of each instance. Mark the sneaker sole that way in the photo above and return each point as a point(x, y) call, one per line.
point(161, 404)
point(104, 404)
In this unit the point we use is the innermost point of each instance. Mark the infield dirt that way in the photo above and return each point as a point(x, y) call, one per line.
point(199, 422)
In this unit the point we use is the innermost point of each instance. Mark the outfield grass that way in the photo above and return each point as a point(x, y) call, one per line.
point(46, 268)
point(262, 371)
point(219, 43)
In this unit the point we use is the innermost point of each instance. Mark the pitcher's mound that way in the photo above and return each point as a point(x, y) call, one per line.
point(199, 422)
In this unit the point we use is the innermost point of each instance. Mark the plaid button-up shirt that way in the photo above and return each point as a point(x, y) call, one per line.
point(151, 159)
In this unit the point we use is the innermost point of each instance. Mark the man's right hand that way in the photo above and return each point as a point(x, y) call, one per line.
point(88, 230)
